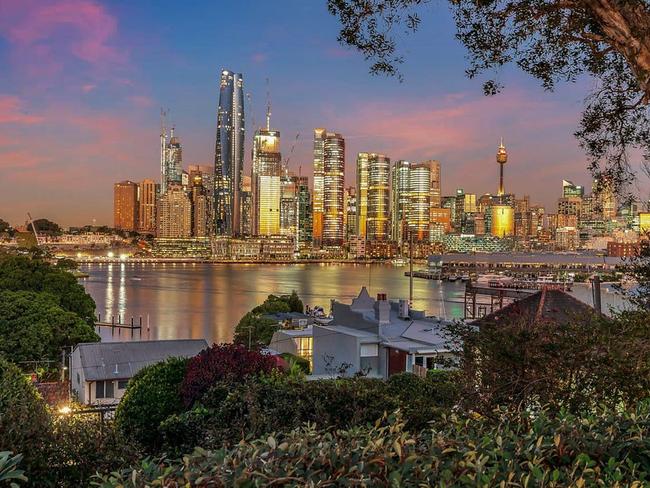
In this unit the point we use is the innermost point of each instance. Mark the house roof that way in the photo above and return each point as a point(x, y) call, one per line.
point(122, 360)
point(546, 304)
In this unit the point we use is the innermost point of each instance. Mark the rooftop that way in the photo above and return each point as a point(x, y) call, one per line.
point(122, 360)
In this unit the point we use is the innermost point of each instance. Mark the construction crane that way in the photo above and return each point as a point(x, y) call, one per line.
point(288, 158)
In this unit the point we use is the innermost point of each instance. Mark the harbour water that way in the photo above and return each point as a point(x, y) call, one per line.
point(195, 300)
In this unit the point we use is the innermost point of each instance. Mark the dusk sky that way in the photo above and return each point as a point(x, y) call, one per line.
point(83, 82)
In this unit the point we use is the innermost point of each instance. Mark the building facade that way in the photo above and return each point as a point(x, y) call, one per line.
point(265, 181)
point(148, 194)
point(174, 214)
point(229, 154)
point(125, 205)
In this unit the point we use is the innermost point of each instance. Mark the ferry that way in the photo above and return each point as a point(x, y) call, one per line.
point(494, 279)
point(399, 262)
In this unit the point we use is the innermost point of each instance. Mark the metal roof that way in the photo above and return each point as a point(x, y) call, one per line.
point(122, 360)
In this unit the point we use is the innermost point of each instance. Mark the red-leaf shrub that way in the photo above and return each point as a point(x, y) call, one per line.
point(224, 363)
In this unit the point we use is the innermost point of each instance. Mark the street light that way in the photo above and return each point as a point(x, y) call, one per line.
point(65, 410)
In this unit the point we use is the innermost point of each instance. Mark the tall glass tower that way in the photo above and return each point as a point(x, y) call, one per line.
point(229, 155)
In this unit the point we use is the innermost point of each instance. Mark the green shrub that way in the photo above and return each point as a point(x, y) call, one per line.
point(152, 395)
point(9, 468)
point(605, 449)
point(301, 363)
point(24, 420)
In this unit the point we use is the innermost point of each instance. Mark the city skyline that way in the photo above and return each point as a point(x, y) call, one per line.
point(416, 120)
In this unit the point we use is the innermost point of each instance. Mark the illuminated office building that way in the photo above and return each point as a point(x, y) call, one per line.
point(147, 195)
point(265, 179)
point(400, 200)
point(604, 191)
point(465, 204)
point(568, 211)
point(373, 189)
point(199, 198)
point(503, 221)
point(424, 198)
point(305, 224)
point(229, 154)
point(246, 207)
point(125, 205)
point(570, 189)
point(329, 181)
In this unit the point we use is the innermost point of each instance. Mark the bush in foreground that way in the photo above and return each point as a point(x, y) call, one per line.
point(152, 395)
point(604, 449)
point(229, 363)
point(24, 420)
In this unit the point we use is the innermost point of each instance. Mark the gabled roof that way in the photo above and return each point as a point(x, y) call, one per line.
point(122, 360)
point(554, 305)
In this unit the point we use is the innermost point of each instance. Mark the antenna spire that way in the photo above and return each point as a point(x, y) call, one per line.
point(268, 106)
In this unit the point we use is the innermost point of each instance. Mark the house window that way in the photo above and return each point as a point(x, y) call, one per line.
point(121, 384)
point(428, 362)
point(99, 389)
point(304, 347)
point(369, 350)
point(104, 389)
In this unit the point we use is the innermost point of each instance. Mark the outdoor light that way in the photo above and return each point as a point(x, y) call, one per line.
point(65, 410)
point(123, 257)
point(110, 254)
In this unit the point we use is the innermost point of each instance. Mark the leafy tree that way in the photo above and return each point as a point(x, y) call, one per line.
point(151, 396)
point(575, 364)
point(229, 363)
point(21, 273)
point(5, 228)
point(553, 41)
point(47, 226)
point(254, 330)
point(34, 327)
point(24, 420)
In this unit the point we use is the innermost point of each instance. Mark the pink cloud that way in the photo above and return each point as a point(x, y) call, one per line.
point(35, 22)
point(141, 101)
point(87, 88)
point(259, 57)
point(19, 160)
point(11, 112)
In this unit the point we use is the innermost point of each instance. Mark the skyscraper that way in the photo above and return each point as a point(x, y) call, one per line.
point(319, 181)
point(329, 181)
point(246, 206)
point(570, 189)
point(401, 198)
point(199, 205)
point(171, 160)
point(373, 200)
point(125, 205)
point(229, 154)
point(350, 212)
point(288, 206)
point(265, 180)
point(148, 193)
point(305, 225)
point(333, 187)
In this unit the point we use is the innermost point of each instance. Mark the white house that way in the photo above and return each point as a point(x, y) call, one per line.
point(100, 371)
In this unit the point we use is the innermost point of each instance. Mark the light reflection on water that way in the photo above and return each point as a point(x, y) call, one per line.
point(207, 300)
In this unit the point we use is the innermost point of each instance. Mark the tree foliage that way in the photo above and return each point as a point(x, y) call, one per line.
point(151, 396)
point(254, 329)
point(34, 327)
point(47, 226)
point(24, 420)
point(21, 273)
point(575, 364)
point(553, 41)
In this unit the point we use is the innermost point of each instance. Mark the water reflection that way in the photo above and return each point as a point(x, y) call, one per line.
point(207, 300)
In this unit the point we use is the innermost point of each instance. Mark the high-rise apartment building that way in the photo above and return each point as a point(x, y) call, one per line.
point(207, 182)
point(436, 195)
point(229, 154)
point(424, 198)
point(265, 180)
point(329, 183)
point(401, 200)
point(125, 205)
point(147, 196)
point(373, 190)
point(174, 214)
